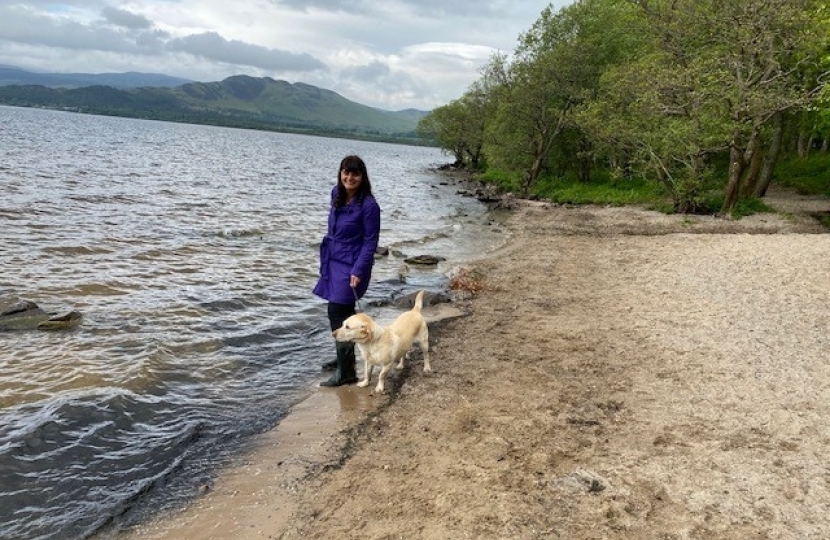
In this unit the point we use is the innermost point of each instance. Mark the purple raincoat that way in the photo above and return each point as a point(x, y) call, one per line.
point(348, 249)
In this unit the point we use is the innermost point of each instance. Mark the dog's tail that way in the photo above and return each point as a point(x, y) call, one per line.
point(419, 302)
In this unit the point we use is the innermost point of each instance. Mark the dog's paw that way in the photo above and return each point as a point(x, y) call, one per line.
point(427, 369)
point(364, 383)
point(379, 389)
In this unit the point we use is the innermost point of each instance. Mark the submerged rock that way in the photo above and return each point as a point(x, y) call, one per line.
point(424, 260)
point(430, 299)
point(17, 314)
point(62, 322)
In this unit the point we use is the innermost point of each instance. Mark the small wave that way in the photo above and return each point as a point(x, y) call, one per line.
point(100, 289)
point(299, 330)
point(76, 250)
point(103, 199)
point(91, 508)
point(225, 304)
point(33, 423)
point(239, 233)
point(425, 239)
point(191, 205)
point(13, 214)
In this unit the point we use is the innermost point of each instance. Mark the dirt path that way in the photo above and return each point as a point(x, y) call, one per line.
point(626, 375)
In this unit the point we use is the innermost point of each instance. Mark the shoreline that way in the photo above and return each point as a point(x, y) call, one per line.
point(557, 410)
point(256, 492)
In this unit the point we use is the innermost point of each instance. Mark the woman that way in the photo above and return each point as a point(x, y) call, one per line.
point(347, 254)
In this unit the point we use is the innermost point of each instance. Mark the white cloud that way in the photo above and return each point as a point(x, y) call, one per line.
point(393, 55)
point(212, 46)
point(119, 17)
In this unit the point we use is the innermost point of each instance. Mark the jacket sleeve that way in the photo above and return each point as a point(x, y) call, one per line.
point(371, 236)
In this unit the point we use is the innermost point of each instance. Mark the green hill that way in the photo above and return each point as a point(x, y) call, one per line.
point(132, 79)
point(239, 101)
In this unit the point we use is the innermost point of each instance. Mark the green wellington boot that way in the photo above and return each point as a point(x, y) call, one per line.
point(346, 360)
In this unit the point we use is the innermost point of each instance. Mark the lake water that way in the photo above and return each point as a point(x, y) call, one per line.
point(191, 252)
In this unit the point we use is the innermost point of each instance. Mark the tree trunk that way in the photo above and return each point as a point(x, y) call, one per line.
point(532, 174)
point(547, 135)
point(753, 172)
point(585, 161)
point(771, 157)
point(458, 154)
point(803, 144)
point(475, 156)
point(736, 169)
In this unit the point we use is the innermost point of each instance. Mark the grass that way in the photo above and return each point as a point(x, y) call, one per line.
point(603, 189)
point(809, 176)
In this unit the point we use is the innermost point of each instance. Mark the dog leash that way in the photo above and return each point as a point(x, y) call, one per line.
point(356, 301)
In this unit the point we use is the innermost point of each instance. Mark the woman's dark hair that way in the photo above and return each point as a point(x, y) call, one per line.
point(353, 164)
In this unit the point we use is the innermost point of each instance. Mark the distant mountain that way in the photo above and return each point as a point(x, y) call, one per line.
point(12, 75)
point(238, 101)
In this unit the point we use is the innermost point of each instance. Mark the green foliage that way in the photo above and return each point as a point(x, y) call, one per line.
point(507, 182)
point(656, 89)
point(750, 206)
point(455, 128)
point(556, 67)
point(809, 176)
point(606, 188)
point(602, 189)
point(743, 208)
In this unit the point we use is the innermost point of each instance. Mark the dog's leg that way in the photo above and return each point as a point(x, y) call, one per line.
point(367, 373)
point(401, 360)
point(423, 342)
point(382, 378)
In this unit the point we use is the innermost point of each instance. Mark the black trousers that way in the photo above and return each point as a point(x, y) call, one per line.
point(338, 313)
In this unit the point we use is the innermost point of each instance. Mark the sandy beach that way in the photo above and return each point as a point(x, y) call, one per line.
point(623, 375)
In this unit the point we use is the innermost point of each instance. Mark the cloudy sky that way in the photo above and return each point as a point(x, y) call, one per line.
point(391, 54)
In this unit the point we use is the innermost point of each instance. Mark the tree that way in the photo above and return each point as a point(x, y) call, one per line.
point(746, 59)
point(557, 66)
point(458, 127)
point(646, 124)
point(445, 126)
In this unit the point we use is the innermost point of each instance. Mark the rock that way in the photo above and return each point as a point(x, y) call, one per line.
point(17, 314)
point(403, 272)
point(584, 480)
point(430, 299)
point(62, 322)
point(424, 260)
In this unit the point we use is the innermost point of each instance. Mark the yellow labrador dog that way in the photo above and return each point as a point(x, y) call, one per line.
point(382, 346)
